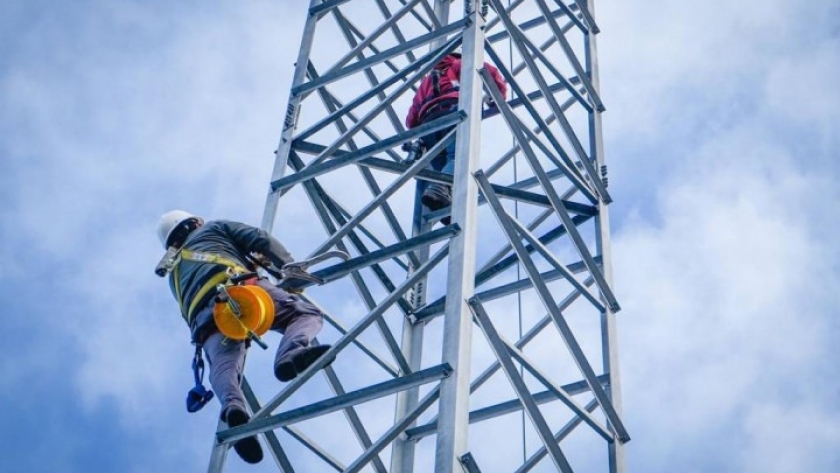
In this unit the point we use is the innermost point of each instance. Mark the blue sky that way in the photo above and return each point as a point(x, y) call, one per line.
point(722, 125)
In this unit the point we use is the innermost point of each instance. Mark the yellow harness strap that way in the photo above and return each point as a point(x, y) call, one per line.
point(234, 268)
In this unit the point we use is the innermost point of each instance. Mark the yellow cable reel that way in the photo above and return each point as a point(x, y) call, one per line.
point(256, 312)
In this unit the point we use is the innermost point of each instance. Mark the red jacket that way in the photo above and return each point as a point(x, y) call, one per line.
point(449, 69)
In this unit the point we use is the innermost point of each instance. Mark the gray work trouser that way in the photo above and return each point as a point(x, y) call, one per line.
point(298, 321)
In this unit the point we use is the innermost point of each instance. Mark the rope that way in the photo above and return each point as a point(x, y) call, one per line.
point(518, 266)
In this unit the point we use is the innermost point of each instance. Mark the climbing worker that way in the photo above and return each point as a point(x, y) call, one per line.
point(436, 97)
point(201, 256)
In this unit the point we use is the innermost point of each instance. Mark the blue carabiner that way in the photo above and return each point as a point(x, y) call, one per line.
point(198, 396)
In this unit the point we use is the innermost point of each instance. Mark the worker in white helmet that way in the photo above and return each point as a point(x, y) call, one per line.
point(208, 253)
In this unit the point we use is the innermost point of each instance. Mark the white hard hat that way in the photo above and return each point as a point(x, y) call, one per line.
point(170, 221)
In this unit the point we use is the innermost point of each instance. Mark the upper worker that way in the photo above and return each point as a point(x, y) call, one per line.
point(436, 97)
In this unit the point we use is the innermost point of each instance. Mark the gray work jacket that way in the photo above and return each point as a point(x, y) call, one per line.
point(230, 240)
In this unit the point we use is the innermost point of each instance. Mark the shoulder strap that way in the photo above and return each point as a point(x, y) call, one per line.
point(202, 257)
point(436, 82)
point(176, 281)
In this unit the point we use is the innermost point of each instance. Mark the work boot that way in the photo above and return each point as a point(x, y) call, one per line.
point(248, 448)
point(436, 197)
point(297, 360)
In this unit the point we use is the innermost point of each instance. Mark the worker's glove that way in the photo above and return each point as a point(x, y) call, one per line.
point(294, 290)
point(488, 101)
point(260, 259)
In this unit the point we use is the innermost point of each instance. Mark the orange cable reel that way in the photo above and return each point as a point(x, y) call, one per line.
point(256, 312)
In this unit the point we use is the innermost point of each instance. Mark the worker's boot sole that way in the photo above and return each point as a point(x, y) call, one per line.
point(298, 360)
point(248, 449)
point(436, 197)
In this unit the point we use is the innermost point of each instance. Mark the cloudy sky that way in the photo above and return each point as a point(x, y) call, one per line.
point(721, 133)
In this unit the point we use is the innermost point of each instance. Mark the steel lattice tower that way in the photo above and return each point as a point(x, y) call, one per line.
point(507, 310)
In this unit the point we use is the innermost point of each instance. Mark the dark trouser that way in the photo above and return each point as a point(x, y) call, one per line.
point(445, 160)
point(298, 321)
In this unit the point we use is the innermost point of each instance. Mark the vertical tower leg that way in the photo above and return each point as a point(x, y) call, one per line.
point(457, 324)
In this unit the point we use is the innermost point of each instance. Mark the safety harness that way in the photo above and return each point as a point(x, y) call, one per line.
point(234, 273)
point(234, 269)
point(199, 396)
point(436, 76)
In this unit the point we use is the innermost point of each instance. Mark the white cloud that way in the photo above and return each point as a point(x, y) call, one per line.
point(724, 300)
point(801, 87)
point(772, 429)
point(726, 278)
point(668, 65)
